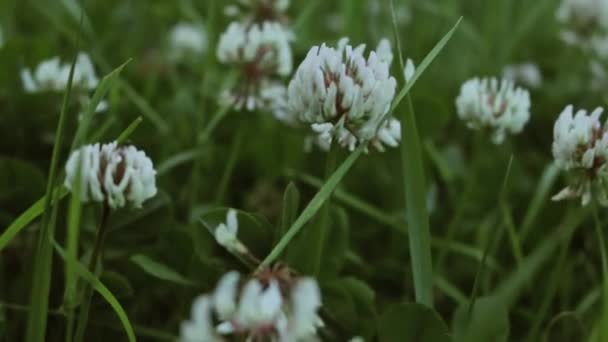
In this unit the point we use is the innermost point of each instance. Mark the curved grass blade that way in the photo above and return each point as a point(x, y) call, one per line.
point(159, 270)
point(82, 271)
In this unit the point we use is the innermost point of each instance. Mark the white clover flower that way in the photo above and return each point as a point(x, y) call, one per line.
point(111, 174)
point(343, 96)
point(527, 74)
point(200, 327)
point(585, 22)
point(263, 309)
point(187, 39)
point(494, 105)
point(263, 54)
point(580, 144)
point(51, 75)
point(226, 233)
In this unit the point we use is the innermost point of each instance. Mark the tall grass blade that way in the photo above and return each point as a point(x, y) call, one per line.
point(313, 207)
point(43, 264)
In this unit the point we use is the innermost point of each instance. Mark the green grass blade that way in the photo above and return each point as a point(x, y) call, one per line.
point(419, 232)
point(73, 233)
point(28, 216)
point(129, 130)
point(145, 108)
point(540, 198)
point(102, 89)
point(430, 57)
point(82, 271)
point(43, 264)
point(315, 204)
point(159, 270)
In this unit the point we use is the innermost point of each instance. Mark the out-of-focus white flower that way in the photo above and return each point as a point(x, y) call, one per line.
point(341, 94)
point(409, 70)
point(580, 144)
point(495, 105)
point(262, 53)
point(305, 301)
point(226, 233)
point(357, 339)
point(187, 39)
point(200, 327)
point(51, 75)
point(262, 309)
point(599, 75)
point(585, 22)
point(259, 10)
point(527, 74)
point(112, 174)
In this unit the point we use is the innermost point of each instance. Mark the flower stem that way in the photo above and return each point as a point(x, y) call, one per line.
point(93, 263)
point(320, 233)
point(603, 333)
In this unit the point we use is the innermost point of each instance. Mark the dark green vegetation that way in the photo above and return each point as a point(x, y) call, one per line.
point(541, 278)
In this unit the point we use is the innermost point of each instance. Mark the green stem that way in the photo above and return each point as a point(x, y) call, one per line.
point(93, 263)
point(603, 333)
point(320, 233)
point(416, 212)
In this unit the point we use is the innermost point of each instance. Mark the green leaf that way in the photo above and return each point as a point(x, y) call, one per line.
point(488, 321)
point(291, 205)
point(82, 271)
point(118, 284)
point(411, 322)
point(314, 206)
point(159, 270)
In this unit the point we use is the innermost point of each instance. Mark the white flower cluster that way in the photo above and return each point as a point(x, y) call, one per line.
point(226, 233)
point(187, 39)
point(111, 174)
point(527, 74)
point(495, 105)
point(580, 144)
point(263, 54)
point(346, 97)
point(585, 23)
point(260, 310)
point(52, 75)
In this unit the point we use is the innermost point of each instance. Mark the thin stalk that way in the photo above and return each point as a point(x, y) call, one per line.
point(230, 164)
point(603, 333)
point(93, 263)
point(320, 233)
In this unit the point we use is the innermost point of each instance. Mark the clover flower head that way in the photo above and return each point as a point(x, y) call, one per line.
point(527, 74)
point(584, 21)
point(263, 54)
point(112, 174)
point(580, 144)
point(343, 96)
point(261, 308)
point(495, 105)
point(52, 75)
point(259, 10)
point(187, 39)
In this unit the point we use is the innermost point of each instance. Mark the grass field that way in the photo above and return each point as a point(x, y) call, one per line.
point(449, 234)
